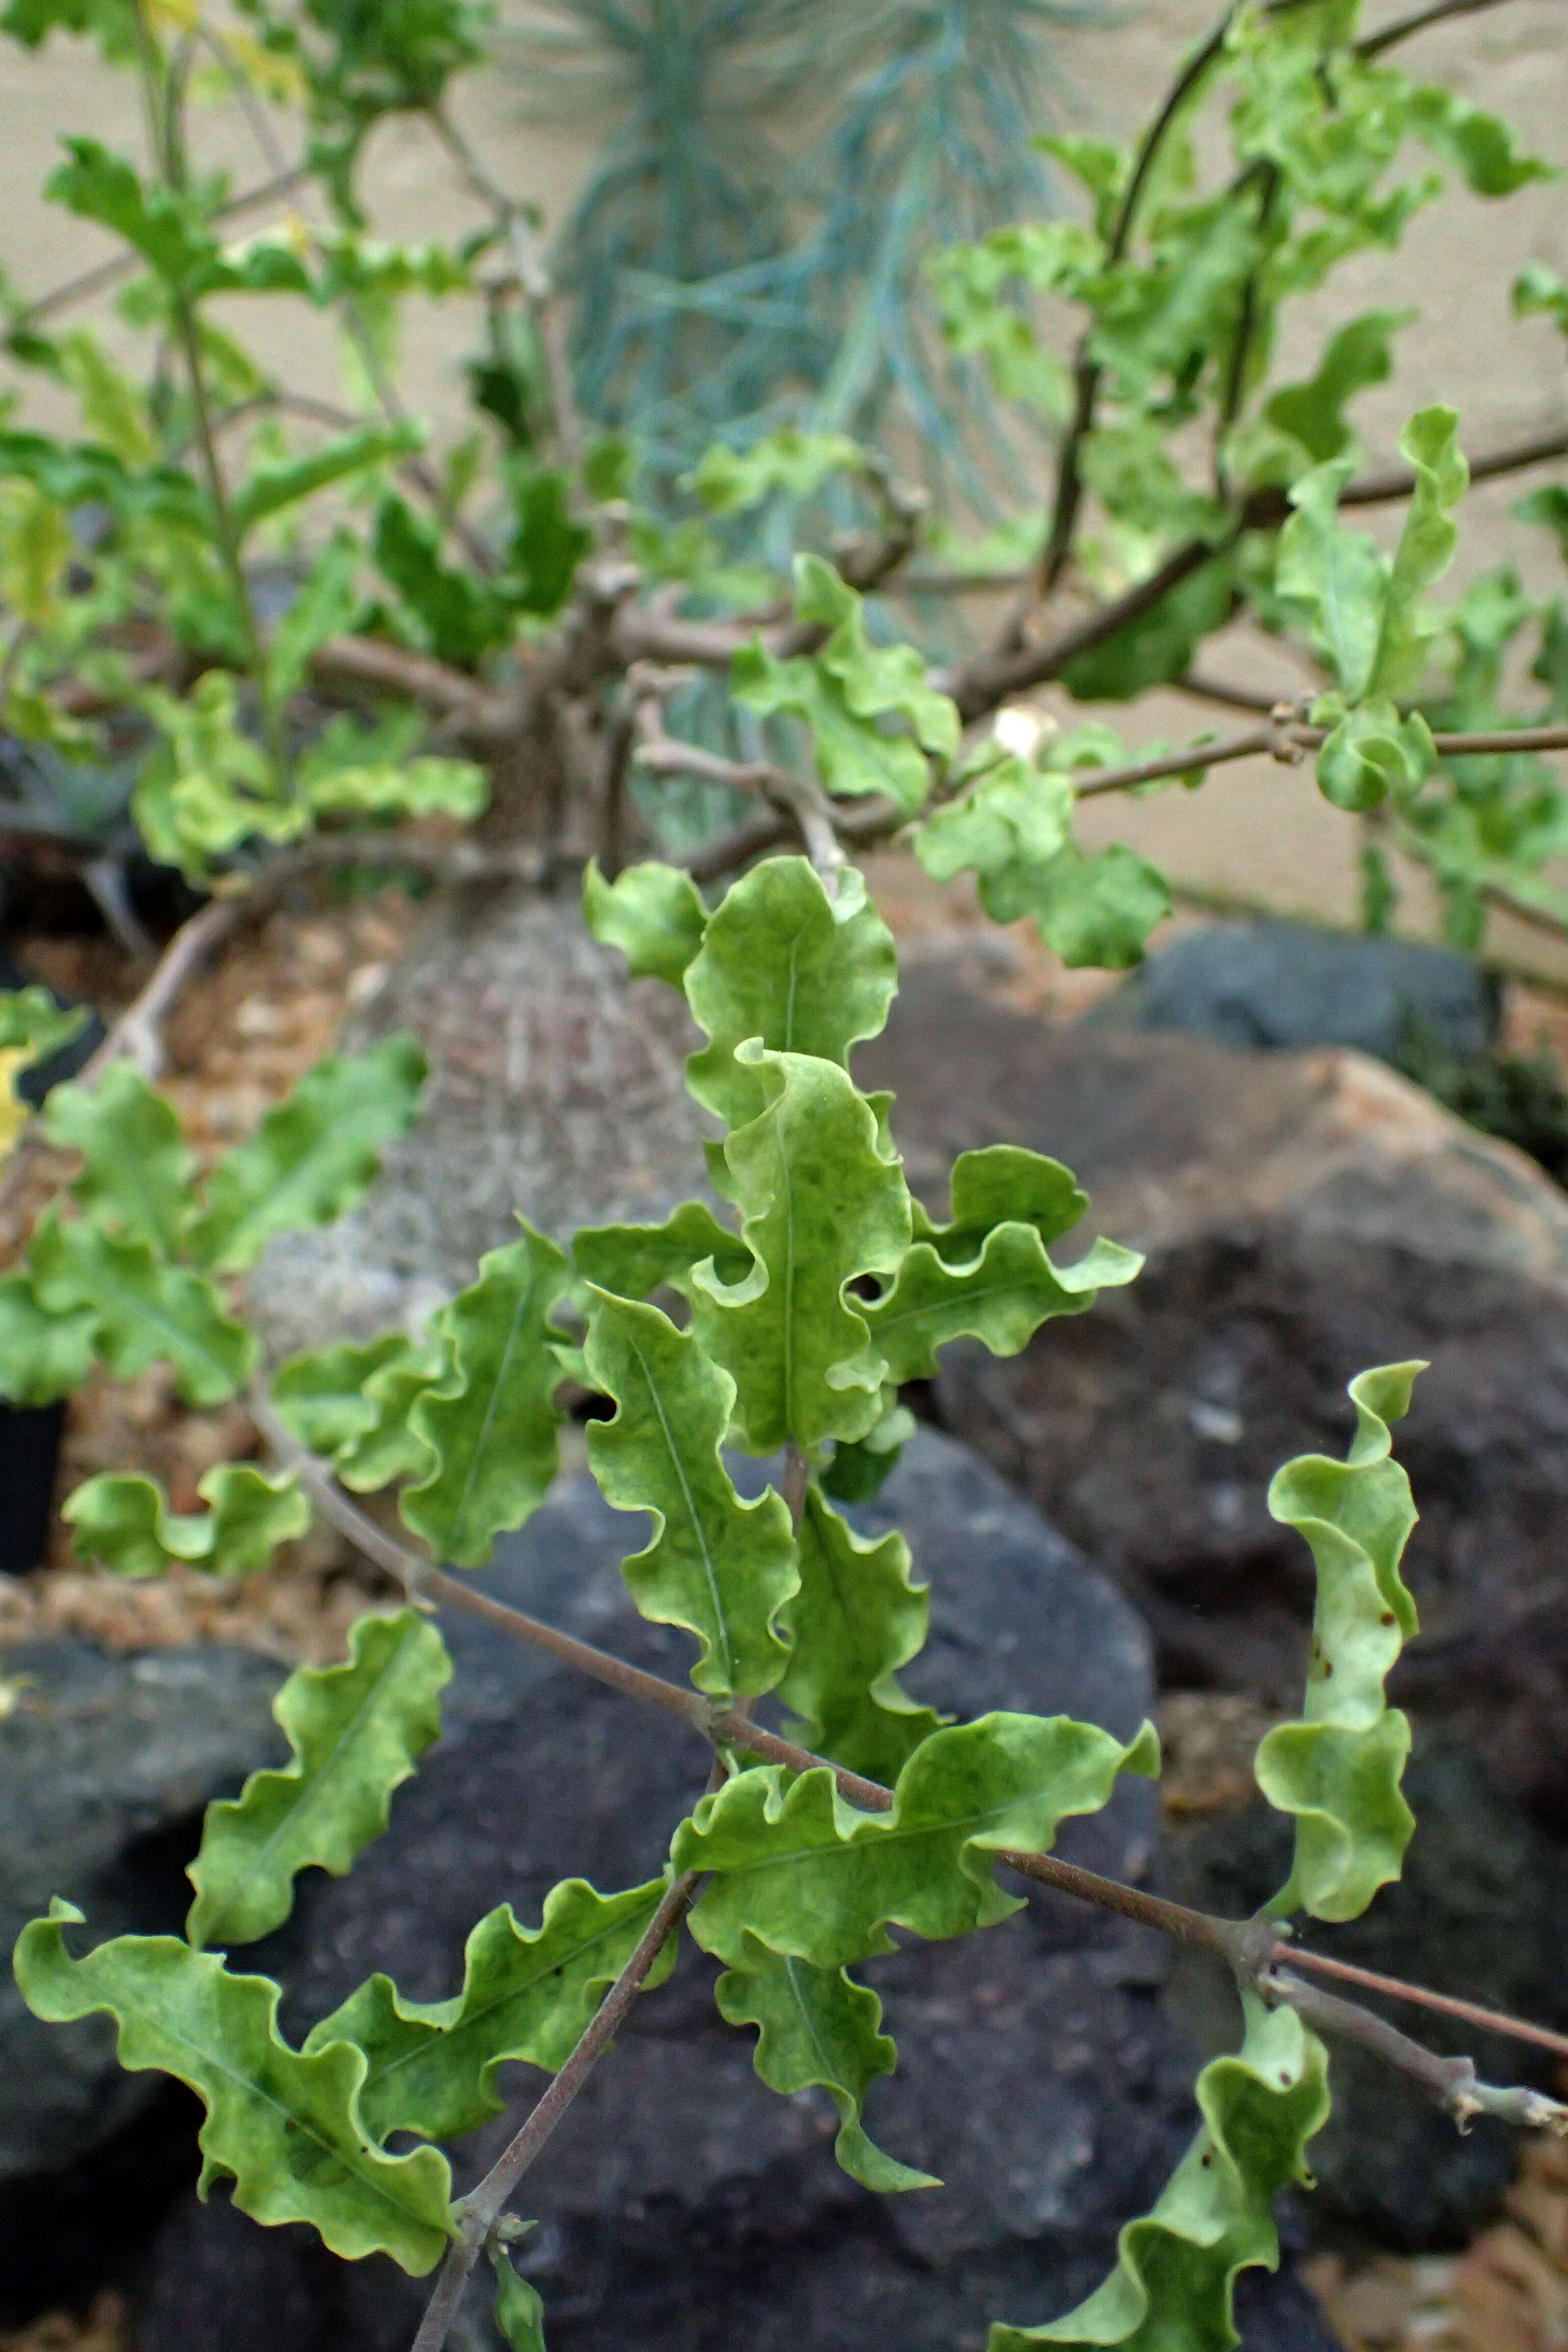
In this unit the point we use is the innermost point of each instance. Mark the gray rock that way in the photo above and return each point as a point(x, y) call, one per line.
point(1304, 1215)
point(106, 1763)
point(1288, 985)
point(1481, 1911)
point(682, 2205)
point(557, 1092)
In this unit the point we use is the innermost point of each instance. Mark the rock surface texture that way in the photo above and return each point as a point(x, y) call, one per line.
point(106, 1763)
point(1304, 1215)
point(1290, 985)
point(682, 2205)
point(557, 1092)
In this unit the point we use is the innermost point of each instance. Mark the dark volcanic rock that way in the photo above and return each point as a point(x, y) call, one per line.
point(1481, 1911)
point(1290, 985)
point(1304, 1215)
point(106, 1763)
point(681, 2204)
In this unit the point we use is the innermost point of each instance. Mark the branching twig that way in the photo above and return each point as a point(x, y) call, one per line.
point(1451, 2081)
point(1287, 738)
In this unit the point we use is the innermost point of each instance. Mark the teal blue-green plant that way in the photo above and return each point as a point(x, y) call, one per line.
point(783, 1325)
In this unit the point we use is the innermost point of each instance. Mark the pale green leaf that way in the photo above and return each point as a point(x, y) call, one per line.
point(801, 1868)
point(517, 2309)
point(1372, 751)
point(653, 913)
point(878, 681)
point(1338, 574)
point(324, 604)
point(144, 1312)
point(413, 788)
point(311, 1156)
point(1355, 357)
point(357, 1731)
point(717, 1567)
point(490, 1424)
point(271, 488)
point(1429, 444)
point(632, 1260)
point(1479, 146)
point(999, 1296)
point(528, 1994)
point(31, 1022)
point(854, 756)
point(135, 1167)
point(817, 2027)
point(856, 1620)
point(1338, 1769)
point(1093, 909)
point(783, 961)
point(282, 2125)
point(354, 1404)
point(1171, 2290)
point(126, 1522)
point(44, 1356)
point(822, 1203)
point(730, 481)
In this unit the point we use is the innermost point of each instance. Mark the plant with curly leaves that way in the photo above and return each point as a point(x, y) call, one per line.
point(798, 1309)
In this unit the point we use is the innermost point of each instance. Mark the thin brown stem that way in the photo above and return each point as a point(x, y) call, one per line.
point(1442, 2004)
point(1288, 740)
point(481, 2209)
point(1453, 2082)
point(1374, 45)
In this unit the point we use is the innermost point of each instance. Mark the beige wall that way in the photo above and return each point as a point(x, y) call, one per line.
point(1264, 833)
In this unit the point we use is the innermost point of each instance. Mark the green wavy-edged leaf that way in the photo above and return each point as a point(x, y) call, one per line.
point(31, 1022)
point(312, 1155)
point(999, 1296)
point(391, 1447)
point(135, 1168)
point(1338, 574)
point(126, 1522)
point(282, 2125)
point(517, 2309)
point(783, 961)
point(821, 1205)
point(1338, 1769)
point(805, 1871)
point(878, 681)
point(357, 1731)
point(856, 1620)
point(1004, 1184)
point(632, 1260)
point(817, 2027)
point(44, 1356)
point(1430, 447)
point(320, 1395)
point(1172, 2285)
point(144, 1311)
point(528, 1995)
point(720, 1568)
point(653, 913)
point(491, 1425)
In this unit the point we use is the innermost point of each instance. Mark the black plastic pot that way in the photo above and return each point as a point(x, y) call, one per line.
point(29, 1458)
